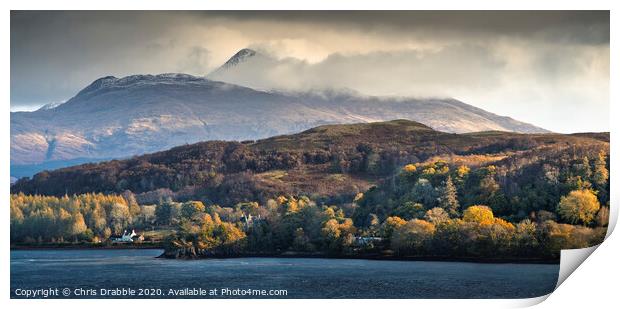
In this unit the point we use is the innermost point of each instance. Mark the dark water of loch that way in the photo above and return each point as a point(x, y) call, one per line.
point(84, 270)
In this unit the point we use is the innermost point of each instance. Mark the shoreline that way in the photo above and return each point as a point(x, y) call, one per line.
point(293, 255)
point(379, 257)
point(24, 247)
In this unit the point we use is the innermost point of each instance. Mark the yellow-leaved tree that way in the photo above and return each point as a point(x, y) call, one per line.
point(412, 236)
point(410, 168)
point(579, 206)
point(483, 215)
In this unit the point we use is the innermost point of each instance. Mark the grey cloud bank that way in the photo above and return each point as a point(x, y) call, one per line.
point(539, 67)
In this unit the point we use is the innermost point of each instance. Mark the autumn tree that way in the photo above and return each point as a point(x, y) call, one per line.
point(448, 199)
point(488, 187)
point(526, 238)
point(16, 221)
point(120, 218)
point(412, 236)
point(579, 206)
point(600, 177)
point(601, 174)
point(134, 208)
point(249, 208)
point(292, 205)
point(583, 168)
point(192, 209)
point(480, 214)
point(336, 235)
point(229, 238)
point(462, 171)
point(436, 215)
point(390, 224)
point(76, 226)
point(97, 219)
point(410, 168)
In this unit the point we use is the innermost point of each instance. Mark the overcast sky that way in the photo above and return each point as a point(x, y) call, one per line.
point(550, 69)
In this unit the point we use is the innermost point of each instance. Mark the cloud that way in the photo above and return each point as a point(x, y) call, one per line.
point(195, 62)
point(398, 73)
point(511, 63)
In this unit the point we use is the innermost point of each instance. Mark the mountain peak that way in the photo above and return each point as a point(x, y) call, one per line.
point(98, 84)
point(110, 82)
point(239, 57)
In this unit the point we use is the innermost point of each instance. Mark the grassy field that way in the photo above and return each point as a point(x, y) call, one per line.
point(157, 235)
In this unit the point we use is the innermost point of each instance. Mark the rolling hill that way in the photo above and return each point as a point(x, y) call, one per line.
point(329, 162)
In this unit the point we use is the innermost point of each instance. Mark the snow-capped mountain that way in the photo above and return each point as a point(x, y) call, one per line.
point(121, 117)
point(50, 105)
point(239, 57)
point(257, 70)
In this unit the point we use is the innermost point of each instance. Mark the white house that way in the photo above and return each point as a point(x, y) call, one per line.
point(126, 237)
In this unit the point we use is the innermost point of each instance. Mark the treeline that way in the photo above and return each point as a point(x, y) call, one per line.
point(86, 217)
point(430, 209)
point(299, 225)
point(296, 224)
point(515, 187)
point(518, 204)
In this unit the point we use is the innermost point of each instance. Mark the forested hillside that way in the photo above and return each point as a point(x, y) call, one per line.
point(397, 188)
point(329, 163)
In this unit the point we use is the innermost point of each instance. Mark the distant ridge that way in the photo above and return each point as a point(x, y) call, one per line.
point(121, 117)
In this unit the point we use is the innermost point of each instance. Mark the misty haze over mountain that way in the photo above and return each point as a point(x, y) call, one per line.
point(121, 117)
point(540, 67)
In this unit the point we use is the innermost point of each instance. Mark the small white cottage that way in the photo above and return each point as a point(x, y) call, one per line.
point(126, 237)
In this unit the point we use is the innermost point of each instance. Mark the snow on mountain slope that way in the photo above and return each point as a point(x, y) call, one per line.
point(121, 117)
